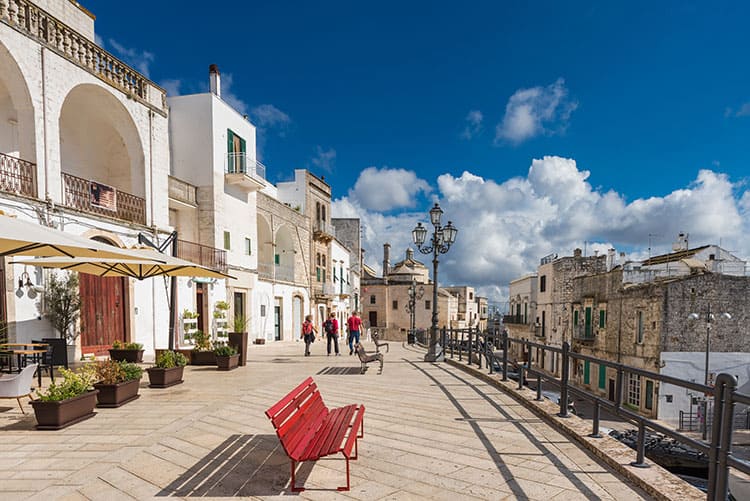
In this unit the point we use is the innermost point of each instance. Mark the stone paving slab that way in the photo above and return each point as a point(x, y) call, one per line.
point(431, 432)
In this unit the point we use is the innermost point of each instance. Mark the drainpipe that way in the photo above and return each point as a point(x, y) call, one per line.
point(44, 119)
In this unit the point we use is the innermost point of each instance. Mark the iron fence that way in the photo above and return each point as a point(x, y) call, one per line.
point(492, 348)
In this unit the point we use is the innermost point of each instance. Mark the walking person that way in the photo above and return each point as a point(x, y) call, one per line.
point(354, 323)
point(331, 327)
point(308, 333)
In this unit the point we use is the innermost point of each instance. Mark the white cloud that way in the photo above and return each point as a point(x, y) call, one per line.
point(324, 159)
point(386, 189)
point(140, 60)
point(228, 94)
point(505, 227)
point(534, 111)
point(269, 116)
point(742, 111)
point(473, 124)
point(173, 86)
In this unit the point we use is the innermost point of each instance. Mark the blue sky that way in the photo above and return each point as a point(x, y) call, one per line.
point(652, 100)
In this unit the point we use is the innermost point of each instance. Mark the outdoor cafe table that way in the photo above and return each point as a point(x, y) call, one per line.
point(36, 351)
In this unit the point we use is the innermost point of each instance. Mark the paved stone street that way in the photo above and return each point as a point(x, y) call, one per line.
point(431, 432)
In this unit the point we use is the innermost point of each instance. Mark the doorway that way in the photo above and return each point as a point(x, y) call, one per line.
point(277, 323)
point(103, 312)
point(373, 318)
point(611, 395)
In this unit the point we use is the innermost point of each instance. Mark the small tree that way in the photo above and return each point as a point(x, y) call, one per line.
point(63, 302)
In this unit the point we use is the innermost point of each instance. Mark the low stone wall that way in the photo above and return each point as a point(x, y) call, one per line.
point(656, 481)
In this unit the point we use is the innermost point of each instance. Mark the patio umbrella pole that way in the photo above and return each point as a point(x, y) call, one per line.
point(172, 297)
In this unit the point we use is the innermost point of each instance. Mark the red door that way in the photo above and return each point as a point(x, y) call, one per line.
point(102, 312)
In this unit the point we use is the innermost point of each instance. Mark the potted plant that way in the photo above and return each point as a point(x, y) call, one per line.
point(118, 382)
point(126, 352)
point(227, 357)
point(202, 351)
point(238, 337)
point(167, 371)
point(67, 402)
point(62, 300)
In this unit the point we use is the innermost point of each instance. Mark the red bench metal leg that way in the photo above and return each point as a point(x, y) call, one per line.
point(292, 484)
point(347, 476)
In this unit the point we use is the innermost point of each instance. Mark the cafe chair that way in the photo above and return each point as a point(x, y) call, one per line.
point(18, 385)
point(46, 362)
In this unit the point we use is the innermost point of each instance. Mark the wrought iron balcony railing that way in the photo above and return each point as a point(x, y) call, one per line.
point(515, 319)
point(17, 176)
point(204, 255)
point(95, 198)
point(38, 24)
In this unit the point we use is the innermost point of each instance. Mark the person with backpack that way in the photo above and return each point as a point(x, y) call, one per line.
point(354, 323)
point(308, 333)
point(331, 326)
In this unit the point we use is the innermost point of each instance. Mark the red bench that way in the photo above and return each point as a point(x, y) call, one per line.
point(308, 430)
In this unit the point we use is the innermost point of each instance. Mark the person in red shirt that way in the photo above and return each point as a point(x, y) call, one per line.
point(331, 327)
point(354, 323)
point(308, 333)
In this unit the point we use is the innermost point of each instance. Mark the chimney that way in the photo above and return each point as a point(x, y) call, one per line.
point(622, 258)
point(214, 80)
point(577, 252)
point(409, 254)
point(610, 259)
point(386, 259)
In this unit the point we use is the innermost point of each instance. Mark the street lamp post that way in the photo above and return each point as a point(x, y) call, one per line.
point(709, 320)
point(442, 239)
point(414, 295)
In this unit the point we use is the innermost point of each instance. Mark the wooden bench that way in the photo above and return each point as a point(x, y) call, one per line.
point(378, 343)
point(365, 359)
point(308, 430)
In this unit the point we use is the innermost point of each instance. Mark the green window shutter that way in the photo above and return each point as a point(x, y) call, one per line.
point(586, 372)
point(602, 318)
point(602, 376)
point(276, 259)
point(575, 317)
point(587, 326)
point(248, 246)
point(242, 145)
point(227, 240)
point(230, 141)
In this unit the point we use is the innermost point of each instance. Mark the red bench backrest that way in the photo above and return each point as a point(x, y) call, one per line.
point(297, 417)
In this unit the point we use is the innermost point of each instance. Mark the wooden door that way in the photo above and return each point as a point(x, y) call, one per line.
point(103, 312)
point(277, 323)
point(373, 318)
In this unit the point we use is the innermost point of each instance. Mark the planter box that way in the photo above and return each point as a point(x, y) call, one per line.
point(202, 358)
point(135, 356)
point(164, 378)
point(239, 341)
point(227, 363)
point(115, 395)
point(57, 415)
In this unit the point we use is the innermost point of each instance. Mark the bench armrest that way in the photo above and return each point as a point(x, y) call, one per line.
point(359, 416)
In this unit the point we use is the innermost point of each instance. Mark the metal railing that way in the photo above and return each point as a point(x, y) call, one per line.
point(38, 24)
point(77, 194)
point(515, 319)
point(242, 163)
point(271, 271)
point(481, 347)
point(324, 228)
point(204, 255)
point(17, 176)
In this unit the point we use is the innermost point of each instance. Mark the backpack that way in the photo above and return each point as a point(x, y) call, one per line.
point(328, 326)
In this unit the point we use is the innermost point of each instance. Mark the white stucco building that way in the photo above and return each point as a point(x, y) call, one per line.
point(83, 147)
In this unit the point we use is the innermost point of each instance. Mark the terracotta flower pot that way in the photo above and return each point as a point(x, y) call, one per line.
point(227, 362)
point(164, 378)
point(135, 356)
point(202, 358)
point(63, 413)
point(115, 395)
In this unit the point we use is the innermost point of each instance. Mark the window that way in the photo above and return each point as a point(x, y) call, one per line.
point(395, 305)
point(236, 158)
point(227, 241)
point(639, 328)
point(602, 376)
point(649, 394)
point(263, 310)
point(372, 299)
point(334, 274)
point(602, 319)
point(575, 317)
point(427, 305)
point(249, 247)
point(317, 258)
point(634, 390)
point(588, 331)
point(276, 259)
point(543, 283)
point(471, 296)
point(586, 372)
point(317, 274)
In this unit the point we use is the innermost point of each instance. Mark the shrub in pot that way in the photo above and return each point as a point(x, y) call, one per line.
point(238, 337)
point(202, 351)
point(66, 402)
point(227, 357)
point(168, 370)
point(126, 352)
point(117, 382)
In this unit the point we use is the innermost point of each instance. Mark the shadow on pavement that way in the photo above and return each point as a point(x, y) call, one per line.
point(243, 465)
point(346, 371)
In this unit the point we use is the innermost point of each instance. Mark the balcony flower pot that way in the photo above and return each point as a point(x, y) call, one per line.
point(58, 414)
point(115, 395)
point(227, 362)
point(159, 377)
point(202, 358)
point(238, 340)
point(134, 356)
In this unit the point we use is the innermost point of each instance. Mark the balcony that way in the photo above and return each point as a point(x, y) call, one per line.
point(245, 172)
point(515, 319)
point(96, 198)
point(324, 290)
point(583, 334)
point(17, 176)
point(324, 231)
point(182, 192)
point(210, 257)
point(39, 25)
point(276, 273)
